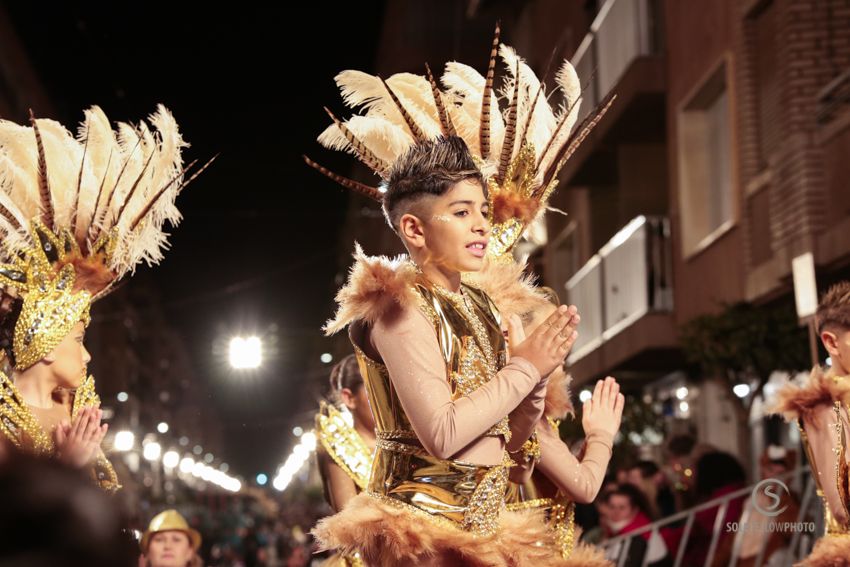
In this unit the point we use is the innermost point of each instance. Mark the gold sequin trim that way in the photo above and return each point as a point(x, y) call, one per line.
point(397, 447)
point(478, 354)
point(344, 445)
point(530, 504)
point(102, 471)
point(488, 499)
point(396, 434)
point(17, 420)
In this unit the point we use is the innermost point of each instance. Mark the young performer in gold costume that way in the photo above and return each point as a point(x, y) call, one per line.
point(820, 409)
point(76, 215)
point(449, 398)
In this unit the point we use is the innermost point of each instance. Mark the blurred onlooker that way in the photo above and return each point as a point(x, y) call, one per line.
point(596, 528)
point(628, 511)
point(170, 542)
point(650, 479)
point(717, 474)
point(53, 516)
point(774, 462)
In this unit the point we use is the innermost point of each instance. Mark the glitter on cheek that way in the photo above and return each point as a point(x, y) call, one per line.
point(442, 218)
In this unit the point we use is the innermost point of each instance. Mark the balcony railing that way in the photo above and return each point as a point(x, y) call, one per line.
point(628, 278)
point(622, 31)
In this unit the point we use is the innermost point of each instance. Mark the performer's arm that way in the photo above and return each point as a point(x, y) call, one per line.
point(601, 416)
point(580, 480)
point(408, 347)
point(339, 488)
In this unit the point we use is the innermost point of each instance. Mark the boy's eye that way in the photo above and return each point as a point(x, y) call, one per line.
point(462, 213)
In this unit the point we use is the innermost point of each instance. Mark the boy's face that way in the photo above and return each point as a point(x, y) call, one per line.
point(451, 230)
point(836, 340)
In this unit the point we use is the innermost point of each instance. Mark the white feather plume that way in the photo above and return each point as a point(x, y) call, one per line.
point(97, 168)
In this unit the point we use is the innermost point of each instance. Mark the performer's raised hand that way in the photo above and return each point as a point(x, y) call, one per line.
point(604, 410)
point(77, 443)
point(547, 346)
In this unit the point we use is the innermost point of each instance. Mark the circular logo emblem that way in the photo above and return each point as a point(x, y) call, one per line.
point(771, 504)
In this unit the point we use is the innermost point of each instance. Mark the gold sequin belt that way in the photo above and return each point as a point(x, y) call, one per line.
point(463, 495)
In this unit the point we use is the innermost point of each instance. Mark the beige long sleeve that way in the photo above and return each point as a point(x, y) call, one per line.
point(407, 344)
point(580, 480)
point(526, 416)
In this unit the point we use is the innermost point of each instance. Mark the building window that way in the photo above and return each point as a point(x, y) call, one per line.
point(706, 201)
point(767, 82)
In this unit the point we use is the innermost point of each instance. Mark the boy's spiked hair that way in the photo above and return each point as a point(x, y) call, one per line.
point(428, 168)
point(834, 308)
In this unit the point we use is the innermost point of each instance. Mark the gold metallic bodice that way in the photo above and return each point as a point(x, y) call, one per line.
point(403, 474)
point(469, 330)
point(20, 427)
point(839, 444)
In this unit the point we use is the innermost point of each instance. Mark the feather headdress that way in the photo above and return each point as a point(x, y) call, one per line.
point(78, 213)
point(518, 139)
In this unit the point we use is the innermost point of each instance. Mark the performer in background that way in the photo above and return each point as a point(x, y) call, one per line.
point(76, 215)
point(346, 432)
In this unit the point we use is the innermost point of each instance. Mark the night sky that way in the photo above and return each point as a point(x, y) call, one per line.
point(258, 244)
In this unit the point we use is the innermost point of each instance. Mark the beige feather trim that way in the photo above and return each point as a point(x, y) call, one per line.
point(795, 402)
point(829, 551)
point(388, 535)
point(376, 284)
point(512, 291)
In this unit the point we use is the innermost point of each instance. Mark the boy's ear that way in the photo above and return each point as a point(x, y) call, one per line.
point(412, 230)
point(830, 342)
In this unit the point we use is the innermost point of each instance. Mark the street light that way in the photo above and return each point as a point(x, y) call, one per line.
point(152, 451)
point(308, 440)
point(245, 353)
point(186, 465)
point(171, 459)
point(162, 427)
point(124, 440)
point(741, 390)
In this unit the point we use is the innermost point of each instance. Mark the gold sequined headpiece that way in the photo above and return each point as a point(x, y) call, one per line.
point(520, 146)
point(78, 213)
